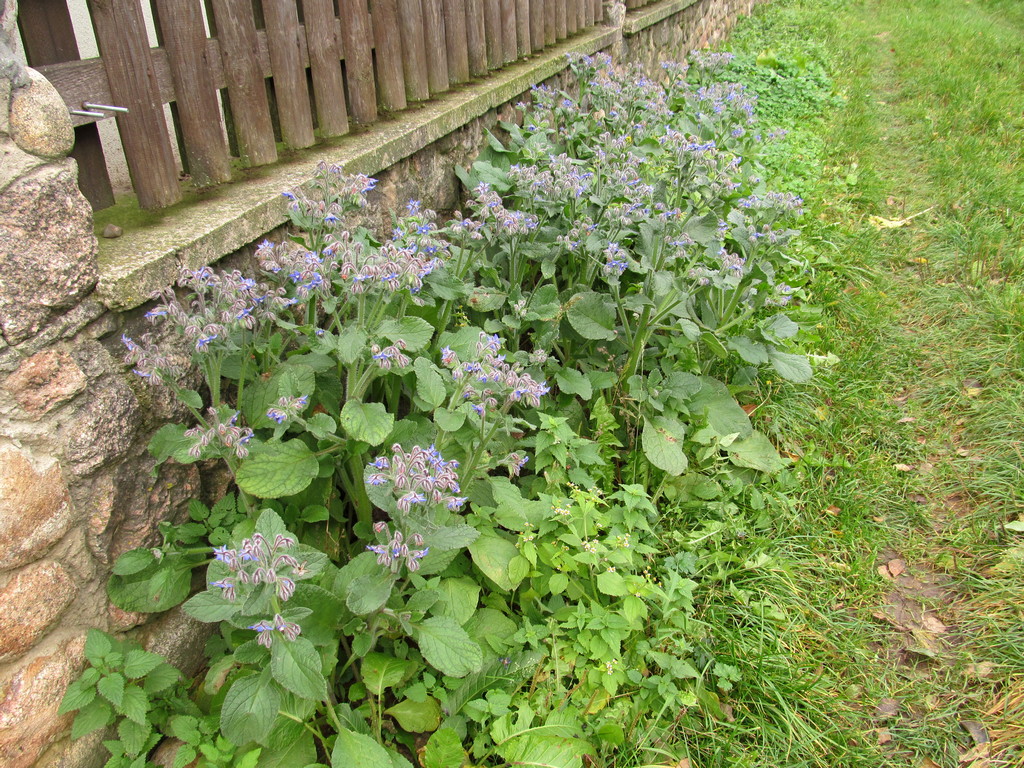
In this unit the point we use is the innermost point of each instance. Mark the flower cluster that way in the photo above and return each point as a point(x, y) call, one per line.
point(391, 267)
point(489, 377)
point(148, 360)
point(309, 272)
point(287, 408)
point(391, 355)
point(332, 193)
point(221, 430)
point(261, 561)
point(394, 549)
point(490, 208)
point(419, 476)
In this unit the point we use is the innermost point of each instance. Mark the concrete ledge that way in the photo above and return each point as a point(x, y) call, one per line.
point(146, 259)
point(652, 14)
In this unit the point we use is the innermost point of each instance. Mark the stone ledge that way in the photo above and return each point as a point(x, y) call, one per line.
point(645, 17)
point(142, 261)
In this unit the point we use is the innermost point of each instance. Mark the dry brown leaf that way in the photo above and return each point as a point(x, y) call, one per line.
point(833, 510)
point(896, 566)
point(929, 763)
point(884, 737)
point(932, 624)
point(888, 707)
point(883, 571)
point(906, 420)
point(903, 467)
point(925, 468)
point(683, 763)
point(981, 669)
point(918, 498)
point(977, 731)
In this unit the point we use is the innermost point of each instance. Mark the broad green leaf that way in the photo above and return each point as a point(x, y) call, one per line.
point(210, 607)
point(541, 751)
point(191, 398)
point(444, 750)
point(133, 736)
point(278, 469)
point(97, 645)
point(544, 304)
point(169, 442)
point(249, 709)
point(185, 728)
point(1017, 526)
point(458, 598)
point(492, 554)
point(592, 316)
point(779, 328)
point(611, 583)
point(158, 588)
point(133, 561)
point(414, 331)
point(791, 367)
point(663, 446)
point(380, 671)
point(417, 716)
point(446, 647)
point(300, 753)
point(139, 663)
point(135, 704)
point(368, 422)
point(753, 352)
point(111, 687)
point(756, 452)
point(161, 678)
point(97, 715)
point(78, 695)
point(486, 299)
point(573, 382)
point(449, 537)
point(724, 415)
point(429, 384)
point(351, 344)
point(449, 421)
point(296, 665)
point(321, 425)
point(356, 750)
point(367, 594)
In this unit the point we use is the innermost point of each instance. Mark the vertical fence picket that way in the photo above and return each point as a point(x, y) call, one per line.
point(184, 39)
point(508, 31)
point(561, 28)
point(598, 11)
point(246, 88)
point(294, 111)
point(570, 17)
point(388, 55)
point(414, 53)
point(550, 22)
point(492, 22)
point(49, 38)
point(456, 40)
point(476, 37)
point(536, 25)
point(522, 28)
point(437, 57)
point(325, 67)
point(581, 14)
point(124, 46)
point(357, 37)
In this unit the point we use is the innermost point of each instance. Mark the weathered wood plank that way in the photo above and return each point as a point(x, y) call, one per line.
point(492, 23)
point(325, 67)
point(294, 112)
point(508, 31)
point(570, 17)
point(550, 22)
point(598, 11)
point(581, 14)
point(49, 37)
point(184, 39)
point(456, 41)
point(536, 25)
point(388, 45)
point(121, 34)
point(476, 37)
point(414, 52)
point(358, 36)
point(522, 28)
point(244, 80)
point(437, 57)
point(561, 28)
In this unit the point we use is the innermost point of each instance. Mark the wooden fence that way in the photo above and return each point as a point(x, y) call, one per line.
point(290, 71)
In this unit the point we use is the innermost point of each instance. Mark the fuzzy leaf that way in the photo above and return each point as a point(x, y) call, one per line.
point(210, 607)
point(429, 384)
point(663, 446)
point(458, 598)
point(139, 663)
point(356, 750)
point(380, 671)
point(791, 367)
point(492, 555)
point(414, 331)
point(249, 709)
point(296, 665)
point(444, 750)
point(756, 452)
point(278, 469)
point(592, 316)
point(573, 382)
point(367, 594)
point(97, 715)
point(367, 422)
point(111, 687)
point(135, 704)
point(446, 647)
point(417, 716)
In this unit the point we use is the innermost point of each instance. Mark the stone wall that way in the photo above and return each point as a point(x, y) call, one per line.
point(77, 487)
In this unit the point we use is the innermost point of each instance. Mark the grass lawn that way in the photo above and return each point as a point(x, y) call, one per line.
point(881, 622)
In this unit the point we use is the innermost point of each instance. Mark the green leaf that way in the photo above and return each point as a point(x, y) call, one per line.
point(135, 704)
point(97, 715)
point(367, 594)
point(97, 645)
point(351, 344)
point(752, 352)
point(446, 647)
point(491, 554)
point(540, 751)
point(723, 413)
point(417, 716)
point(190, 398)
point(449, 537)
point(611, 583)
point(573, 382)
point(139, 663)
point(133, 736)
point(111, 687)
point(544, 304)
point(296, 665)
point(486, 299)
point(459, 598)
point(133, 561)
point(249, 709)
point(449, 421)
point(791, 367)
point(663, 446)
point(356, 750)
point(185, 728)
point(169, 442)
point(429, 384)
point(592, 316)
point(161, 678)
point(444, 750)
point(210, 607)
point(380, 671)
point(414, 331)
point(78, 696)
point(1015, 525)
point(756, 452)
point(278, 469)
point(321, 425)
point(301, 752)
point(368, 422)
